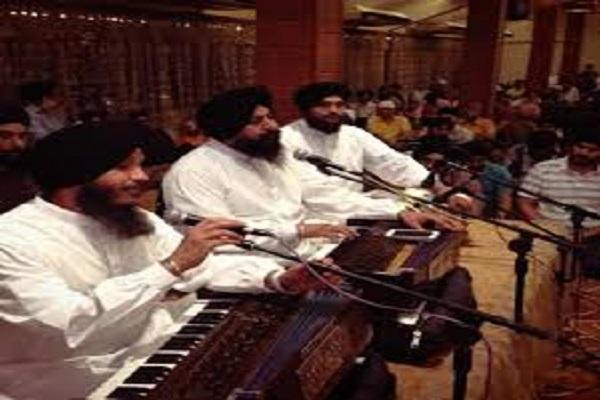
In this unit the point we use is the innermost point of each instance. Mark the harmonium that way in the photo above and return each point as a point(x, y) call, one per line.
point(387, 248)
point(275, 347)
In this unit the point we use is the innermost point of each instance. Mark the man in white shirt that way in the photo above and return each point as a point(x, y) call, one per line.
point(321, 132)
point(244, 172)
point(84, 271)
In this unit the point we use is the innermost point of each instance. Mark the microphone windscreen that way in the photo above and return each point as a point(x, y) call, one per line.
point(300, 154)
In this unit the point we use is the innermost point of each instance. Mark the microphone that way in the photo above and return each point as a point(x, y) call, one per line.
point(316, 160)
point(180, 218)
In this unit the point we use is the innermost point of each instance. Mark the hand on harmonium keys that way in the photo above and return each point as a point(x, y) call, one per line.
point(330, 231)
point(424, 220)
point(297, 279)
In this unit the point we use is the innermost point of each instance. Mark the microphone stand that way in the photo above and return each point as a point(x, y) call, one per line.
point(521, 246)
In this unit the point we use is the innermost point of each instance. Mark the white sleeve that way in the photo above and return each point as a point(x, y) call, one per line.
point(35, 294)
point(324, 199)
point(230, 273)
point(389, 164)
point(226, 269)
point(202, 193)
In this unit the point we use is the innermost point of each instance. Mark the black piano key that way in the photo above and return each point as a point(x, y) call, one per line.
point(125, 393)
point(207, 318)
point(181, 343)
point(148, 375)
point(164, 359)
point(219, 305)
point(195, 329)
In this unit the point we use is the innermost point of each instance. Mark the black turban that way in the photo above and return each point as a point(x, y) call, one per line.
point(226, 114)
point(10, 114)
point(80, 154)
point(311, 95)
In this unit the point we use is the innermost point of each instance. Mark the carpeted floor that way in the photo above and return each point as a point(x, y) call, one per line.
point(569, 380)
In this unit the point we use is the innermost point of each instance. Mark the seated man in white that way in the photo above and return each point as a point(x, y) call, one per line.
point(320, 131)
point(84, 271)
point(244, 172)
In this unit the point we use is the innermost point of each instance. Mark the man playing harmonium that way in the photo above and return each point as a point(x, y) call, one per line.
point(320, 131)
point(84, 272)
point(244, 172)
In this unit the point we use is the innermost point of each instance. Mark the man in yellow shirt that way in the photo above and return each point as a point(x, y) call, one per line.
point(483, 128)
point(388, 126)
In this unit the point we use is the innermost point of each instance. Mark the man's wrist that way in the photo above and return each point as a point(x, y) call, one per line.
point(273, 282)
point(301, 230)
point(172, 266)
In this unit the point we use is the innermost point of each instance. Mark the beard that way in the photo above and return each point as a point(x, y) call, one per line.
point(126, 221)
point(267, 147)
point(12, 160)
point(325, 126)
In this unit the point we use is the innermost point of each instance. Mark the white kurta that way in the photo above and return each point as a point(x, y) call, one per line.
point(76, 301)
point(217, 181)
point(357, 150)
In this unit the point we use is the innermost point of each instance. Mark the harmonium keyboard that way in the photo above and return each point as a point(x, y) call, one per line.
point(385, 247)
point(257, 347)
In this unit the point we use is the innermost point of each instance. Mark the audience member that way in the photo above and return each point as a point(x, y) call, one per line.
point(588, 78)
point(494, 178)
point(387, 125)
point(366, 107)
point(45, 106)
point(574, 179)
point(17, 185)
point(483, 128)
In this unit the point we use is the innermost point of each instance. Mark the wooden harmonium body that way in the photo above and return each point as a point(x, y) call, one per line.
point(385, 247)
point(257, 347)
